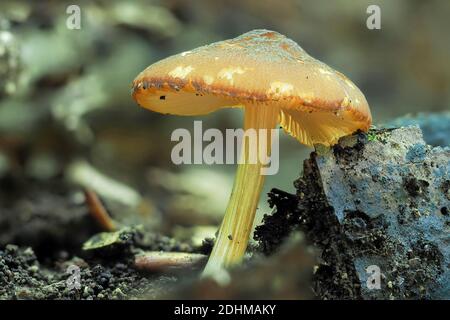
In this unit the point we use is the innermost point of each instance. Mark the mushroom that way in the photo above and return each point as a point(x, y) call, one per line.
point(276, 82)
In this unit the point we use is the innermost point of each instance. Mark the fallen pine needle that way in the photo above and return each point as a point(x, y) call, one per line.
point(161, 261)
point(98, 211)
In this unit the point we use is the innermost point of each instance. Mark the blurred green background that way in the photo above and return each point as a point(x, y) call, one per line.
point(66, 112)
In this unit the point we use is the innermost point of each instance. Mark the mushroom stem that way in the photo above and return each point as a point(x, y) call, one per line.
point(233, 235)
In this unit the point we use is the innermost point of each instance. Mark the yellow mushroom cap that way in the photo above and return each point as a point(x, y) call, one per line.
point(317, 103)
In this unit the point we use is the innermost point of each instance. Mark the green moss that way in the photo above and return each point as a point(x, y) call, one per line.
point(376, 134)
point(372, 136)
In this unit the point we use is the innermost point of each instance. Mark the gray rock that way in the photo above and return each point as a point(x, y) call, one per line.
point(400, 179)
point(380, 199)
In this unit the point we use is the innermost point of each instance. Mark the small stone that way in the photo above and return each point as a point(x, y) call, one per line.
point(416, 213)
point(315, 268)
point(28, 252)
point(414, 263)
point(121, 266)
point(87, 292)
point(118, 294)
point(33, 269)
point(23, 293)
point(11, 248)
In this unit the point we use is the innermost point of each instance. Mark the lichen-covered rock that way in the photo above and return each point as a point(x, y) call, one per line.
point(379, 200)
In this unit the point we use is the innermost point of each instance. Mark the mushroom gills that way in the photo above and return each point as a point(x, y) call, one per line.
point(317, 127)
